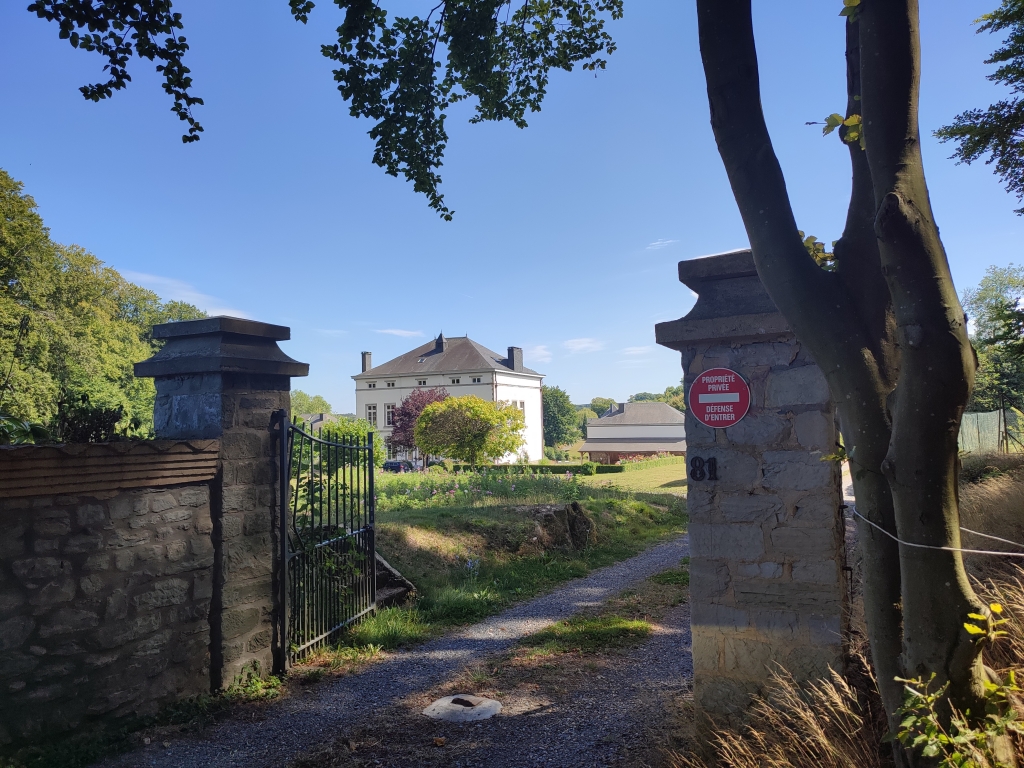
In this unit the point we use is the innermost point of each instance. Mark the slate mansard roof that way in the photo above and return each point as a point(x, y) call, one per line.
point(456, 354)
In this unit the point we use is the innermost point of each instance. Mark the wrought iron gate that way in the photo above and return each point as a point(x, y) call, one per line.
point(326, 536)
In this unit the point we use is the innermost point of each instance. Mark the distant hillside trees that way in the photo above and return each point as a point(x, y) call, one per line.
point(303, 404)
point(674, 396)
point(582, 415)
point(71, 330)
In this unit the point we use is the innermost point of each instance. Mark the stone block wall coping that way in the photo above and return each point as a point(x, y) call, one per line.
point(220, 345)
point(222, 324)
point(732, 304)
point(47, 470)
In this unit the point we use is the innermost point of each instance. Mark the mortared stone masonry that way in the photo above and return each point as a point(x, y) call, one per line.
point(767, 583)
point(224, 377)
point(135, 573)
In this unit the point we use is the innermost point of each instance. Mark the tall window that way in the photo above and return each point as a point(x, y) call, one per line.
point(371, 413)
point(389, 415)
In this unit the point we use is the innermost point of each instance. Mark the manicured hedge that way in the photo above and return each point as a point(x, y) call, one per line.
point(561, 469)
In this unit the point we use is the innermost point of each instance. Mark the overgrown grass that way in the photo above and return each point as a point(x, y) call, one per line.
point(981, 466)
point(471, 561)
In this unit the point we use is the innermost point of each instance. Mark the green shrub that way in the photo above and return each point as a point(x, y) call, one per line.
point(588, 468)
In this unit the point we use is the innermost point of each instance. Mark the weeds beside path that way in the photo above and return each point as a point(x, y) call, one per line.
point(306, 720)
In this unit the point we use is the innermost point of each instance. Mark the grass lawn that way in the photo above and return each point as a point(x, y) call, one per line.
point(670, 479)
point(468, 544)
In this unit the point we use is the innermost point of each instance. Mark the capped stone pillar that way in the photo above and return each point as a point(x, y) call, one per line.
point(767, 583)
point(224, 377)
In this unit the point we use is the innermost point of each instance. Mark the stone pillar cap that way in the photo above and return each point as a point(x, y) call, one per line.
point(222, 324)
point(732, 303)
point(220, 345)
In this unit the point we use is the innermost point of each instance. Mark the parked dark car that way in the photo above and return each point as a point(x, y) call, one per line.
point(398, 465)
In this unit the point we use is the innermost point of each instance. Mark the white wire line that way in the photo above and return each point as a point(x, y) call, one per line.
point(928, 546)
point(990, 536)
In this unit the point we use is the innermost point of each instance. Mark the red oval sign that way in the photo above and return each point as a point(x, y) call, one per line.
point(719, 398)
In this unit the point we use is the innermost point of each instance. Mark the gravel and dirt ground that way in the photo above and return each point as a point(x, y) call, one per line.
point(604, 716)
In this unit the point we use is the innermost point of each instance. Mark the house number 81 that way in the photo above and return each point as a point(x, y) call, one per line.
point(703, 470)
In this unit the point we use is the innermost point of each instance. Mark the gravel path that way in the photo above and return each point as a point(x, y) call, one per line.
point(302, 722)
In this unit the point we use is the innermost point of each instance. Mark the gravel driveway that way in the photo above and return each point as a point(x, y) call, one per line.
point(300, 723)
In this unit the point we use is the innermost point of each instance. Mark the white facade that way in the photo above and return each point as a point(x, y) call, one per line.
point(378, 391)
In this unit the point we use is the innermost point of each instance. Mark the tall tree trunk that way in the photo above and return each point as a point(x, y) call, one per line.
point(844, 318)
point(866, 430)
point(937, 362)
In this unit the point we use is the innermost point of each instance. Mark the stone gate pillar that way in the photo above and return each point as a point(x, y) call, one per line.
point(223, 377)
point(766, 537)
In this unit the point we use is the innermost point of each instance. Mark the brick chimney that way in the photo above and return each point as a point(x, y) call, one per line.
point(367, 361)
point(515, 358)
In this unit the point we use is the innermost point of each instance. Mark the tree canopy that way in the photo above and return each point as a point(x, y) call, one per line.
point(303, 404)
point(404, 73)
point(601, 404)
point(403, 433)
point(354, 432)
point(997, 131)
point(70, 327)
point(561, 424)
point(470, 429)
point(992, 307)
point(582, 416)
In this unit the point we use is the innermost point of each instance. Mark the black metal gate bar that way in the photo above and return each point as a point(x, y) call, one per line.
point(328, 566)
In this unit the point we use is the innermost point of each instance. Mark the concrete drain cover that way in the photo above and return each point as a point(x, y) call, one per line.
point(463, 708)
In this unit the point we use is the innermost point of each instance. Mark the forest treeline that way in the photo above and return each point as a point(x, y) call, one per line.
point(71, 329)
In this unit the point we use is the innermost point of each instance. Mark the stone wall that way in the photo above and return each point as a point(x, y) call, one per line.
point(135, 573)
point(766, 537)
point(224, 377)
point(104, 605)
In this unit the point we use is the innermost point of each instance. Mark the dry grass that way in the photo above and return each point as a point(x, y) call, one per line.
point(994, 505)
point(839, 723)
point(977, 466)
point(834, 723)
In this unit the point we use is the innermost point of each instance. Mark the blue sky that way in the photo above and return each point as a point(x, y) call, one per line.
point(566, 234)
